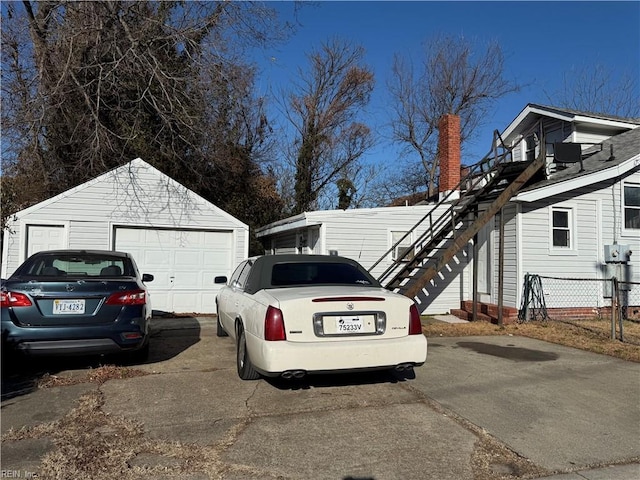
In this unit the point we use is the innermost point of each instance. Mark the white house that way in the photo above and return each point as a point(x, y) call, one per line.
point(564, 225)
point(558, 225)
point(174, 234)
point(365, 234)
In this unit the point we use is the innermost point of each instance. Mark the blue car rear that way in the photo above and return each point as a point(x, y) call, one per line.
point(76, 302)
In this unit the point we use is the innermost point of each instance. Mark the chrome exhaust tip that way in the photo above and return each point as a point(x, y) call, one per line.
point(403, 366)
point(289, 374)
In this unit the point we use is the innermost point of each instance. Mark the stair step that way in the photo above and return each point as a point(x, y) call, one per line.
point(486, 312)
point(490, 309)
point(464, 315)
point(455, 228)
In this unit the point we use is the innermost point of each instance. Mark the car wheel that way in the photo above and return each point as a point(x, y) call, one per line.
point(220, 332)
point(245, 368)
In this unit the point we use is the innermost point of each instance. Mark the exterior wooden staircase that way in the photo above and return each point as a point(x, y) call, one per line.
point(486, 188)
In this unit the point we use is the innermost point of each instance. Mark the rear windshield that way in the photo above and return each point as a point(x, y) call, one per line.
point(77, 265)
point(321, 273)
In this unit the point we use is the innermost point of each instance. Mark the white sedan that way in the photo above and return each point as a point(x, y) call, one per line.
point(292, 315)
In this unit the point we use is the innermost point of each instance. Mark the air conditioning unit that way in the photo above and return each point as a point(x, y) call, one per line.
point(403, 253)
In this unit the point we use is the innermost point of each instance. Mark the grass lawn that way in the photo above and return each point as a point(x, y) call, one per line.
point(591, 335)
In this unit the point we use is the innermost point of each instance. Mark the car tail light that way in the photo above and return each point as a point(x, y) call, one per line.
point(130, 297)
point(13, 299)
point(415, 325)
point(274, 325)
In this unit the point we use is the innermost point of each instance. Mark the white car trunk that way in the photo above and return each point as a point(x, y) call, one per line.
point(313, 314)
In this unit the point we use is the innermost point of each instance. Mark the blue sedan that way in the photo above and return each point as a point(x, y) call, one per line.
point(77, 302)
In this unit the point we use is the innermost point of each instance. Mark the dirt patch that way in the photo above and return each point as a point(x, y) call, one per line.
point(97, 375)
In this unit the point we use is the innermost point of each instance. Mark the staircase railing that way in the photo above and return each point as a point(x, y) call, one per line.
point(440, 226)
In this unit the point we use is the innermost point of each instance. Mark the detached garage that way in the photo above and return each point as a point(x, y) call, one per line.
point(173, 233)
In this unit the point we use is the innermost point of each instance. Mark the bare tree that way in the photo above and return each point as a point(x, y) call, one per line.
point(356, 188)
point(596, 89)
point(324, 110)
point(88, 86)
point(451, 79)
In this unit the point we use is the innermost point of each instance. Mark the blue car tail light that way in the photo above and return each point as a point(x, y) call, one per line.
point(14, 299)
point(130, 297)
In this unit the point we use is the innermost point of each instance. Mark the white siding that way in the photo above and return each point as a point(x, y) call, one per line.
point(285, 243)
point(598, 221)
point(83, 233)
point(591, 135)
point(365, 235)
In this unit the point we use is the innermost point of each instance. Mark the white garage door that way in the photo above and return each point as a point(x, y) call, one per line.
point(44, 237)
point(183, 263)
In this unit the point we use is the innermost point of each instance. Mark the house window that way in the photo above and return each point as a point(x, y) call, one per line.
point(400, 248)
point(632, 206)
point(561, 227)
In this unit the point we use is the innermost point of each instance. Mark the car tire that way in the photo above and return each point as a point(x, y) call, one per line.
point(220, 331)
point(245, 368)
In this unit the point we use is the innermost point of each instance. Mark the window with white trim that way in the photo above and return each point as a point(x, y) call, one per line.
point(631, 207)
point(561, 227)
point(399, 249)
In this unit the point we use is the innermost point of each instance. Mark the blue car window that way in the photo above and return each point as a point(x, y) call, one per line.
point(78, 265)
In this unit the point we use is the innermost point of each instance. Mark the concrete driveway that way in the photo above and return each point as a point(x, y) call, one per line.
point(559, 407)
point(480, 408)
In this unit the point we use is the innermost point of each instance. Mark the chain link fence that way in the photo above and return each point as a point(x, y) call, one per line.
point(629, 300)
point(576, 300)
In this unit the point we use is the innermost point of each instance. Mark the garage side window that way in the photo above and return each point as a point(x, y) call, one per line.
point(632, 206)
point(561, 231)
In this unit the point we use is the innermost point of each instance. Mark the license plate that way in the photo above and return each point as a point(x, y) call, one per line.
point(349, 325)
point(68, 307)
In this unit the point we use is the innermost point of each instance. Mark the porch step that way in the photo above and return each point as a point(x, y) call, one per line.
point(486, 312)
point(468, 316)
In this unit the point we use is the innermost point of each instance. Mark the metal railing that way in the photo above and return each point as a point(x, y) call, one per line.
point(438, 224)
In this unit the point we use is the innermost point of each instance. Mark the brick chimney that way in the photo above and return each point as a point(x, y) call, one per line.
point(449, 153)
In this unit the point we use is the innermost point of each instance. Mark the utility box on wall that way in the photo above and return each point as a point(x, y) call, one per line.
point(617, 253)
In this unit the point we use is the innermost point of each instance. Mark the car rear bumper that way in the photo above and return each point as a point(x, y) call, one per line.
point(274, 358)
point(77, 340)
point(70, 347)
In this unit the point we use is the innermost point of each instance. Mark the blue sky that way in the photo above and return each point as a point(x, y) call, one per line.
point(541, 42)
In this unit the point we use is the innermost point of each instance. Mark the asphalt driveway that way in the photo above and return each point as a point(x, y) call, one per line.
point(480, 408)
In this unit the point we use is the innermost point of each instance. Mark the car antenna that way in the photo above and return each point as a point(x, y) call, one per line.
point(361, 247)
